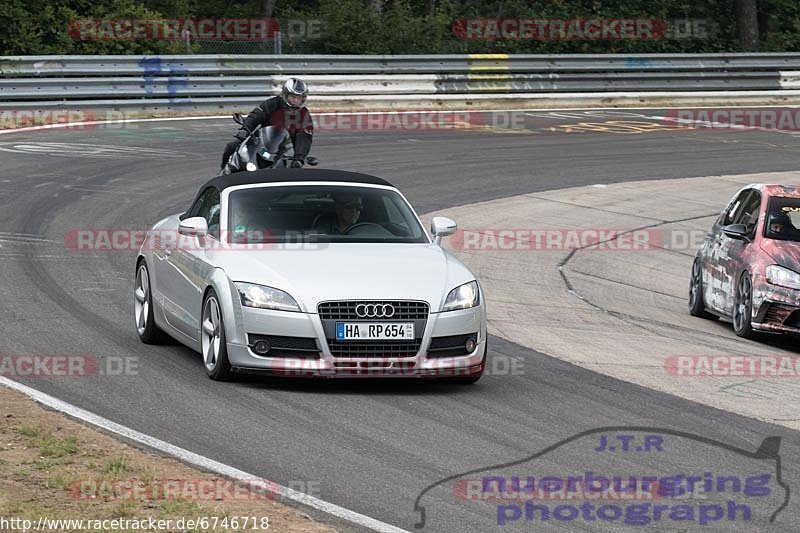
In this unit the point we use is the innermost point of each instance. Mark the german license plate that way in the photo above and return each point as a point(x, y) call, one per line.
point(374, 331)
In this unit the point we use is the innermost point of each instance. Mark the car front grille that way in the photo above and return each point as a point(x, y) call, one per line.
point(346, 310)
point(780, 314)
point(793, 321)
point(773, 314)
point(373, 349)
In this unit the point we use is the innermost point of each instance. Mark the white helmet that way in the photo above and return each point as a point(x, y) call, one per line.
point(297, 87)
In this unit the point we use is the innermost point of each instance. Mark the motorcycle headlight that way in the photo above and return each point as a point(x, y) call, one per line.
point(265, 297)
point(783, 277)
point(462, 297)
point(250, 166)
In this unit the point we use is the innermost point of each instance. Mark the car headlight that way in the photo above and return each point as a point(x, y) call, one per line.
point(783, 277)
point(462, 297)
point(265, 297)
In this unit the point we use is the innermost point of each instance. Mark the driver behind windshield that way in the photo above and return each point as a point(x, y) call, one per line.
point(778, 224)
point(348, 212)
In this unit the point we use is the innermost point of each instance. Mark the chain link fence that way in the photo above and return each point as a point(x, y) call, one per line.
point(303, 39)
point(278, 45)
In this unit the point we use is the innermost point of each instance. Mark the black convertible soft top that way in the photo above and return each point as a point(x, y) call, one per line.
point(291, 174)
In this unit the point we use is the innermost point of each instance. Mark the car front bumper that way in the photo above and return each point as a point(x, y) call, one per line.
point(320, 362)
point(777, 309)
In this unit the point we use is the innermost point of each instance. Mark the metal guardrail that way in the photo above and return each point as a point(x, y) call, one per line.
point(400, 64)
point(170, 87)
point(200, 82)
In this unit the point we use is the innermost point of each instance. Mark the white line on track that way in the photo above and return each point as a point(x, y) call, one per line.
point(195, 459)
point(349, 113)
point(23, 238)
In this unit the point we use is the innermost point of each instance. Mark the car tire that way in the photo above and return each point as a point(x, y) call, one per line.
point(213, 344)
point(143, 312)
point(743, 308)
point(697, 306)
point(469, 380)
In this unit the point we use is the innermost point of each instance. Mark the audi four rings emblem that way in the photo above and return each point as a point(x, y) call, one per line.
point(375, 310)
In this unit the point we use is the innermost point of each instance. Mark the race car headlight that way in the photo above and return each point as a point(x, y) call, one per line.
point(462, 297)
point(265, 297)
point(783, 277)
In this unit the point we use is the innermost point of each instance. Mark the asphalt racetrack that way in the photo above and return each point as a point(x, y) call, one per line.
point(374, 447)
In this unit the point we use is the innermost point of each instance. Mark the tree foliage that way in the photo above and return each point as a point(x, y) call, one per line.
point(400, 26)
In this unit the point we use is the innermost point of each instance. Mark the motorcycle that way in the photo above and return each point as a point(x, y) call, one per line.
point(265, 147)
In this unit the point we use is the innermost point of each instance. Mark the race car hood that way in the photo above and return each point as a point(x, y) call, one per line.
point(348, 271)
point(783, 253)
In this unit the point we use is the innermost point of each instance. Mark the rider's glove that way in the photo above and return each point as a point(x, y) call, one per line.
point(242, 134)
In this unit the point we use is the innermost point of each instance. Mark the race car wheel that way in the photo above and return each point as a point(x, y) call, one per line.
point(743, 308)
point(146, 328)
point(696, 304)
point(213, 343)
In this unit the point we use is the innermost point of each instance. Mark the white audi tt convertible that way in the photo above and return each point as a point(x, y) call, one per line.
point(310, 272)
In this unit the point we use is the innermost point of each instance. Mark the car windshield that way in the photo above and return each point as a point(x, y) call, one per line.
point(783, 219)
point(313, 213)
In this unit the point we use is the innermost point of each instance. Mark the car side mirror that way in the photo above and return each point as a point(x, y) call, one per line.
point(193, 226)
point(442, 227)
point(736, 231)
point(312, 161)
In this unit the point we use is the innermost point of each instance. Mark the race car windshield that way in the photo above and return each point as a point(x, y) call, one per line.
point(783, 219)
point(321, 213)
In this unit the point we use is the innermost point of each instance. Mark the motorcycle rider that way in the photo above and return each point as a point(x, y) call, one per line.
point(287, 111)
